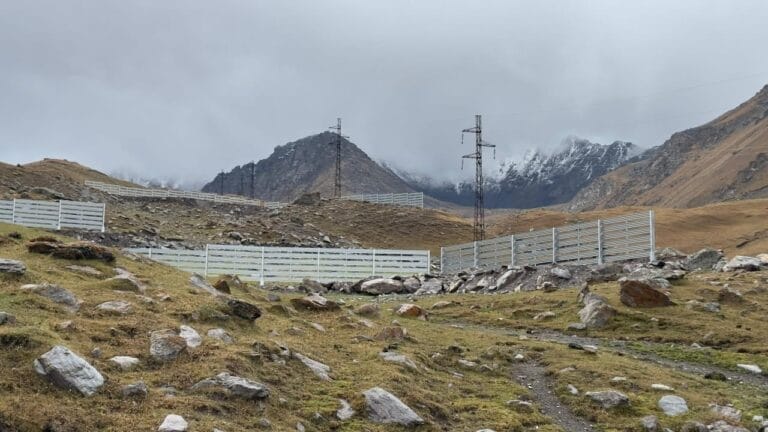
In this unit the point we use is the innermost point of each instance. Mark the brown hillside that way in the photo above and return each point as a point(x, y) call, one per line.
point(738, 227)
point(724, 159)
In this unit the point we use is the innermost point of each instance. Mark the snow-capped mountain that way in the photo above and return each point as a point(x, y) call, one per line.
point(539, 178)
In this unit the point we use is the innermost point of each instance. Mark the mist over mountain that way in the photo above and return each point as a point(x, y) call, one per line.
point(538, 179)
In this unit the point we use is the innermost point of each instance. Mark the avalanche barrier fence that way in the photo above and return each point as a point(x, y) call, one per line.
point(292, 264)
point(620, 238)
point(53, 214)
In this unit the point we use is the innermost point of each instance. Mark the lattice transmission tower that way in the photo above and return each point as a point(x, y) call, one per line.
point(479, 227)
point(337, 143)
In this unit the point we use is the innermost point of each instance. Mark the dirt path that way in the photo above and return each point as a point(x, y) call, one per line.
point(534, 377)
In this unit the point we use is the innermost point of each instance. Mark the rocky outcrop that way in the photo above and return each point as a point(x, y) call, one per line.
point(67, 370)
point(384, 407)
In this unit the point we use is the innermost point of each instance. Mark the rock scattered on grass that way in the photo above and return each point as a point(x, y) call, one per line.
point(136, 390)
point(173, 423)
point(220, 334)
point(125, 363)
point(345, 412)
point(411, 310)
point(642, 293)
point(608, 399)
point(166, 345)
point(314, 302)
point(116, 307)
point(755, 369)
point(190, 336)
point(243, 309)
point(235, 386)
point(67, 370)
point(319, 369)
point(56, 294)
point(6, 318)
point(383, 407)
point(400, 359)
point(673, 405)
point(12, 267)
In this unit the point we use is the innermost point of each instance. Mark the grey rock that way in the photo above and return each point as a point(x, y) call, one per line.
point(596, 313)
point(173, 423)
point(243, 309)
point(125, 363)
point(693, 426)
point(312, 286)
point(411, 284)
point(135, 390)
point(314, 302)
point(673, 405)
point(561, 272)
point(319, 369)
point(726, 412)
point(606, 272)
point(711, 307)
point(202, 283)
point(86, 270)
point(383, 407)
point(116, 307)
point(190, 336)
point(609, 399)
point(56, 294)
point(220, 334)
point(722, 426)
point(705, 259)
point(755, 369)
point(401, 359)
point(166, 345)
point(345, 412)
point(745, 263)
point(12, 267)
point(235, 386)
point(381, 286)
point(431, 286)
point(69, 371)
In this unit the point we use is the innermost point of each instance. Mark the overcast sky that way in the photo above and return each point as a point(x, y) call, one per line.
point(186, 88)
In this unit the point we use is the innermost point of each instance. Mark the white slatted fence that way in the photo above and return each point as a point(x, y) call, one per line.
point(404, 199)
point(606, 240)
point(53, 214)
point(292, 264)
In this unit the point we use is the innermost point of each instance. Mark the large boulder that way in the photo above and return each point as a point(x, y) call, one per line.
point(381, 286)
point(68, 370)
point(166, 345)
point(56, 294)
point(314, 302)
point(12, 267)
point(705, 259)
point(608, 399)
point(642, 293)
point(383, 407)
point(744, 263)
point(673, 405)
point(234, 386)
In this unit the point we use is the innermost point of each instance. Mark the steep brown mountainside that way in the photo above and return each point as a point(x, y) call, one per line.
point(724, 159)
point(308, 165)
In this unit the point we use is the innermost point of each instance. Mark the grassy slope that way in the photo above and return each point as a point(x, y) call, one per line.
point(448, 402)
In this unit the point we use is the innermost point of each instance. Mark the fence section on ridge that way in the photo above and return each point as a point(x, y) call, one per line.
point(415, 199)
point(405, 199)
point(139, 192)
point(605, 240)
point(53, 214)
point(292, 264)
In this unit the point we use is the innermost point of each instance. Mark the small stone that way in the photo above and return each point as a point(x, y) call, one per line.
point(572, 389)
point(544, 316)
point(117, 307)
point(69, 371)
point(393, 333)
point(314, 302)
point(383, 407)
point(561, 272)
point(235, 386)
point(661, 387)
point(673, 405)
point(6, 318)
point(166, 345)
point(755, 369)
point(135, 390)
point(190, 336)
point(370, 310)
point(401, 359)
point(125, 363)
point(173, 423)
point(650, 424)
point(609, 399)
point(726, 412)
point(317, 327)
point(520, 406)
point(65, 326)
point(345, 412)
point(319, 369)
point(411, 310)
point(220, 334)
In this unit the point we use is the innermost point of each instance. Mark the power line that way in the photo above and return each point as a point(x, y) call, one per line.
point(479, 227)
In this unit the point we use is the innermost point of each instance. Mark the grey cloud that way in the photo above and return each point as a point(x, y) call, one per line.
point(185, 88)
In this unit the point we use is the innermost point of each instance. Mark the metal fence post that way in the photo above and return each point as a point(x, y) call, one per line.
point(599, 241)
point(554, 245)
point(58, 222)
point(652, 234)
point(373, 262)
point(104, 217)
point(318, 265)
point(261, 278)
point(206, 261)
point(13, 212)
point(150, 252)
point(512, 249)
point(429, 262)
point(474, 249)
